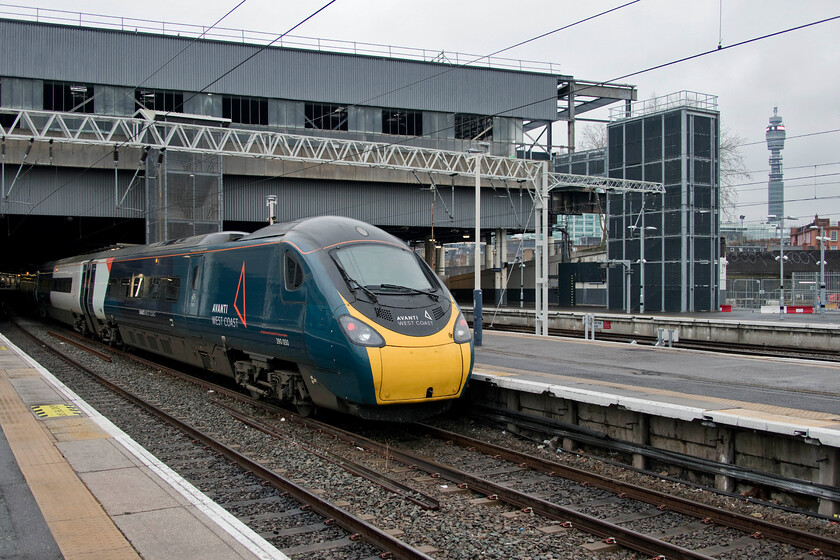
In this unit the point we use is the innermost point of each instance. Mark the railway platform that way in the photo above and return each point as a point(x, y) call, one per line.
point(73, 486)
point(804, 331)
point(774, 415)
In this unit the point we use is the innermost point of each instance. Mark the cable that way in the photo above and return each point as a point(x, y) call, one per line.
point(73, 109)
point(519, 44)
point(651, 68)
point(792, 137)
point(264, 47)
point(190, 44)
point(811, 199)
point(786, 179)
point(57, 189)
point(405, 86)
point(789, 187)
point(161, 67)
point(788, 168)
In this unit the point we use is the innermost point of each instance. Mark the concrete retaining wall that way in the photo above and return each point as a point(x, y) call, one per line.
point(799, 458)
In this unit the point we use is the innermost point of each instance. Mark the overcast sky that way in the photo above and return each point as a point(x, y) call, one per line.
point(798, 72)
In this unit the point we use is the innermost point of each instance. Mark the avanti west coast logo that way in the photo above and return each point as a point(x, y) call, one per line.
point(220, 311)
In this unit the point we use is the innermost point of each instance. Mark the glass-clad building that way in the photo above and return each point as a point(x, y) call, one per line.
point(667, 243)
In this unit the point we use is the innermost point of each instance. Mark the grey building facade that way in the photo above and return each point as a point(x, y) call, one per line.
point(89, 71)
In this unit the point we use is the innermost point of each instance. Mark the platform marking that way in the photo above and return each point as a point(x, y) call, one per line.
point(244, 535)
point(55, 410)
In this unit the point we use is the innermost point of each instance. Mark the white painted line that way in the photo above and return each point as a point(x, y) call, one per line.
point(227, 522)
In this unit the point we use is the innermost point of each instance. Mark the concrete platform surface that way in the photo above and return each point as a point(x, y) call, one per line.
point(785, 396)
point(73, 485)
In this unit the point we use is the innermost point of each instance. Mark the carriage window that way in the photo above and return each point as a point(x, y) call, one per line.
point(171, 288)
point(294, 273)
point(113, 287)
point(196, 276)
point(154, 288)
point(64, 285)
point(137, 286)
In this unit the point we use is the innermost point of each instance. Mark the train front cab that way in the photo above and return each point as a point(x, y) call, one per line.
point(412, 369)
point(410, 350)
point(405, 378)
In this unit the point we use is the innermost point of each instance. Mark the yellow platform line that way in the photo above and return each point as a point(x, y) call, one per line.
point(80, 526)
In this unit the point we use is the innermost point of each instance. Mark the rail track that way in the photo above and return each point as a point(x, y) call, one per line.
point(548, 507)
point(543, 428)
point(295, 520)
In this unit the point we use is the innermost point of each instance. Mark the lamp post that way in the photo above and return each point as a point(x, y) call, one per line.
point(781, 259)
point(822, 239)
point(477, 296)
point(641, 262)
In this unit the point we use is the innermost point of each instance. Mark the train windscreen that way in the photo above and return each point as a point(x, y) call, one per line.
point(377, 266)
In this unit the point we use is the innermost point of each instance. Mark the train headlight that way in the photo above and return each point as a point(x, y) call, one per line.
point(359, 332)
point(461, 333)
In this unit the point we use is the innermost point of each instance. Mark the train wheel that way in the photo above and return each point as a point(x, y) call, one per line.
point(305, 409)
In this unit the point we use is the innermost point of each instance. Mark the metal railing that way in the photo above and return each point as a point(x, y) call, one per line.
point(677, 100)
point(803, 288)
point(232, 35)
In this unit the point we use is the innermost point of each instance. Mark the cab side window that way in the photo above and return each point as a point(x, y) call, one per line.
point(294, 272)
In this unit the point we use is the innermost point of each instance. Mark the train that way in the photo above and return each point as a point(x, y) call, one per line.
point(321, 313)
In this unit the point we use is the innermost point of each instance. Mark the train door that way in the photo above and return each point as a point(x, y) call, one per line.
point(86, 295)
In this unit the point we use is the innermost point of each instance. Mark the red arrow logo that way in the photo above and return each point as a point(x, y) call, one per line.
point(241, 288)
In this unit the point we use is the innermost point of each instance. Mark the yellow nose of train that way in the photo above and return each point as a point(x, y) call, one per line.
point(409, 369)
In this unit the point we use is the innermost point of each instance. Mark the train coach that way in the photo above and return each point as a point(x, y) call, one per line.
point(326, 312)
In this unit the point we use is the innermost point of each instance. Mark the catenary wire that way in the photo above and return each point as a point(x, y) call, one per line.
point(583, 89)
point(589, 18)
point(648, 69)
point(264, 47)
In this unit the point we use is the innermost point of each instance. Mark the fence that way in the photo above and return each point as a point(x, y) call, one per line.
point(803, 288)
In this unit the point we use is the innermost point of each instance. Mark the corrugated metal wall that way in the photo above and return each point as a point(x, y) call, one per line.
point(61, 191)
point(52, 52)
point(383, 204)
point(56, 191)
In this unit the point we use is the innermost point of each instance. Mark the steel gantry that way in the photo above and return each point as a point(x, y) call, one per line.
point(116, 132)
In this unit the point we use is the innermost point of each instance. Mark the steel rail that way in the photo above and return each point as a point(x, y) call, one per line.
point(739, 348)
point(345, 519)
point(80, 346)
point(424, 501)
point(599, 439)
point(734, 520)
point(623, 536)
